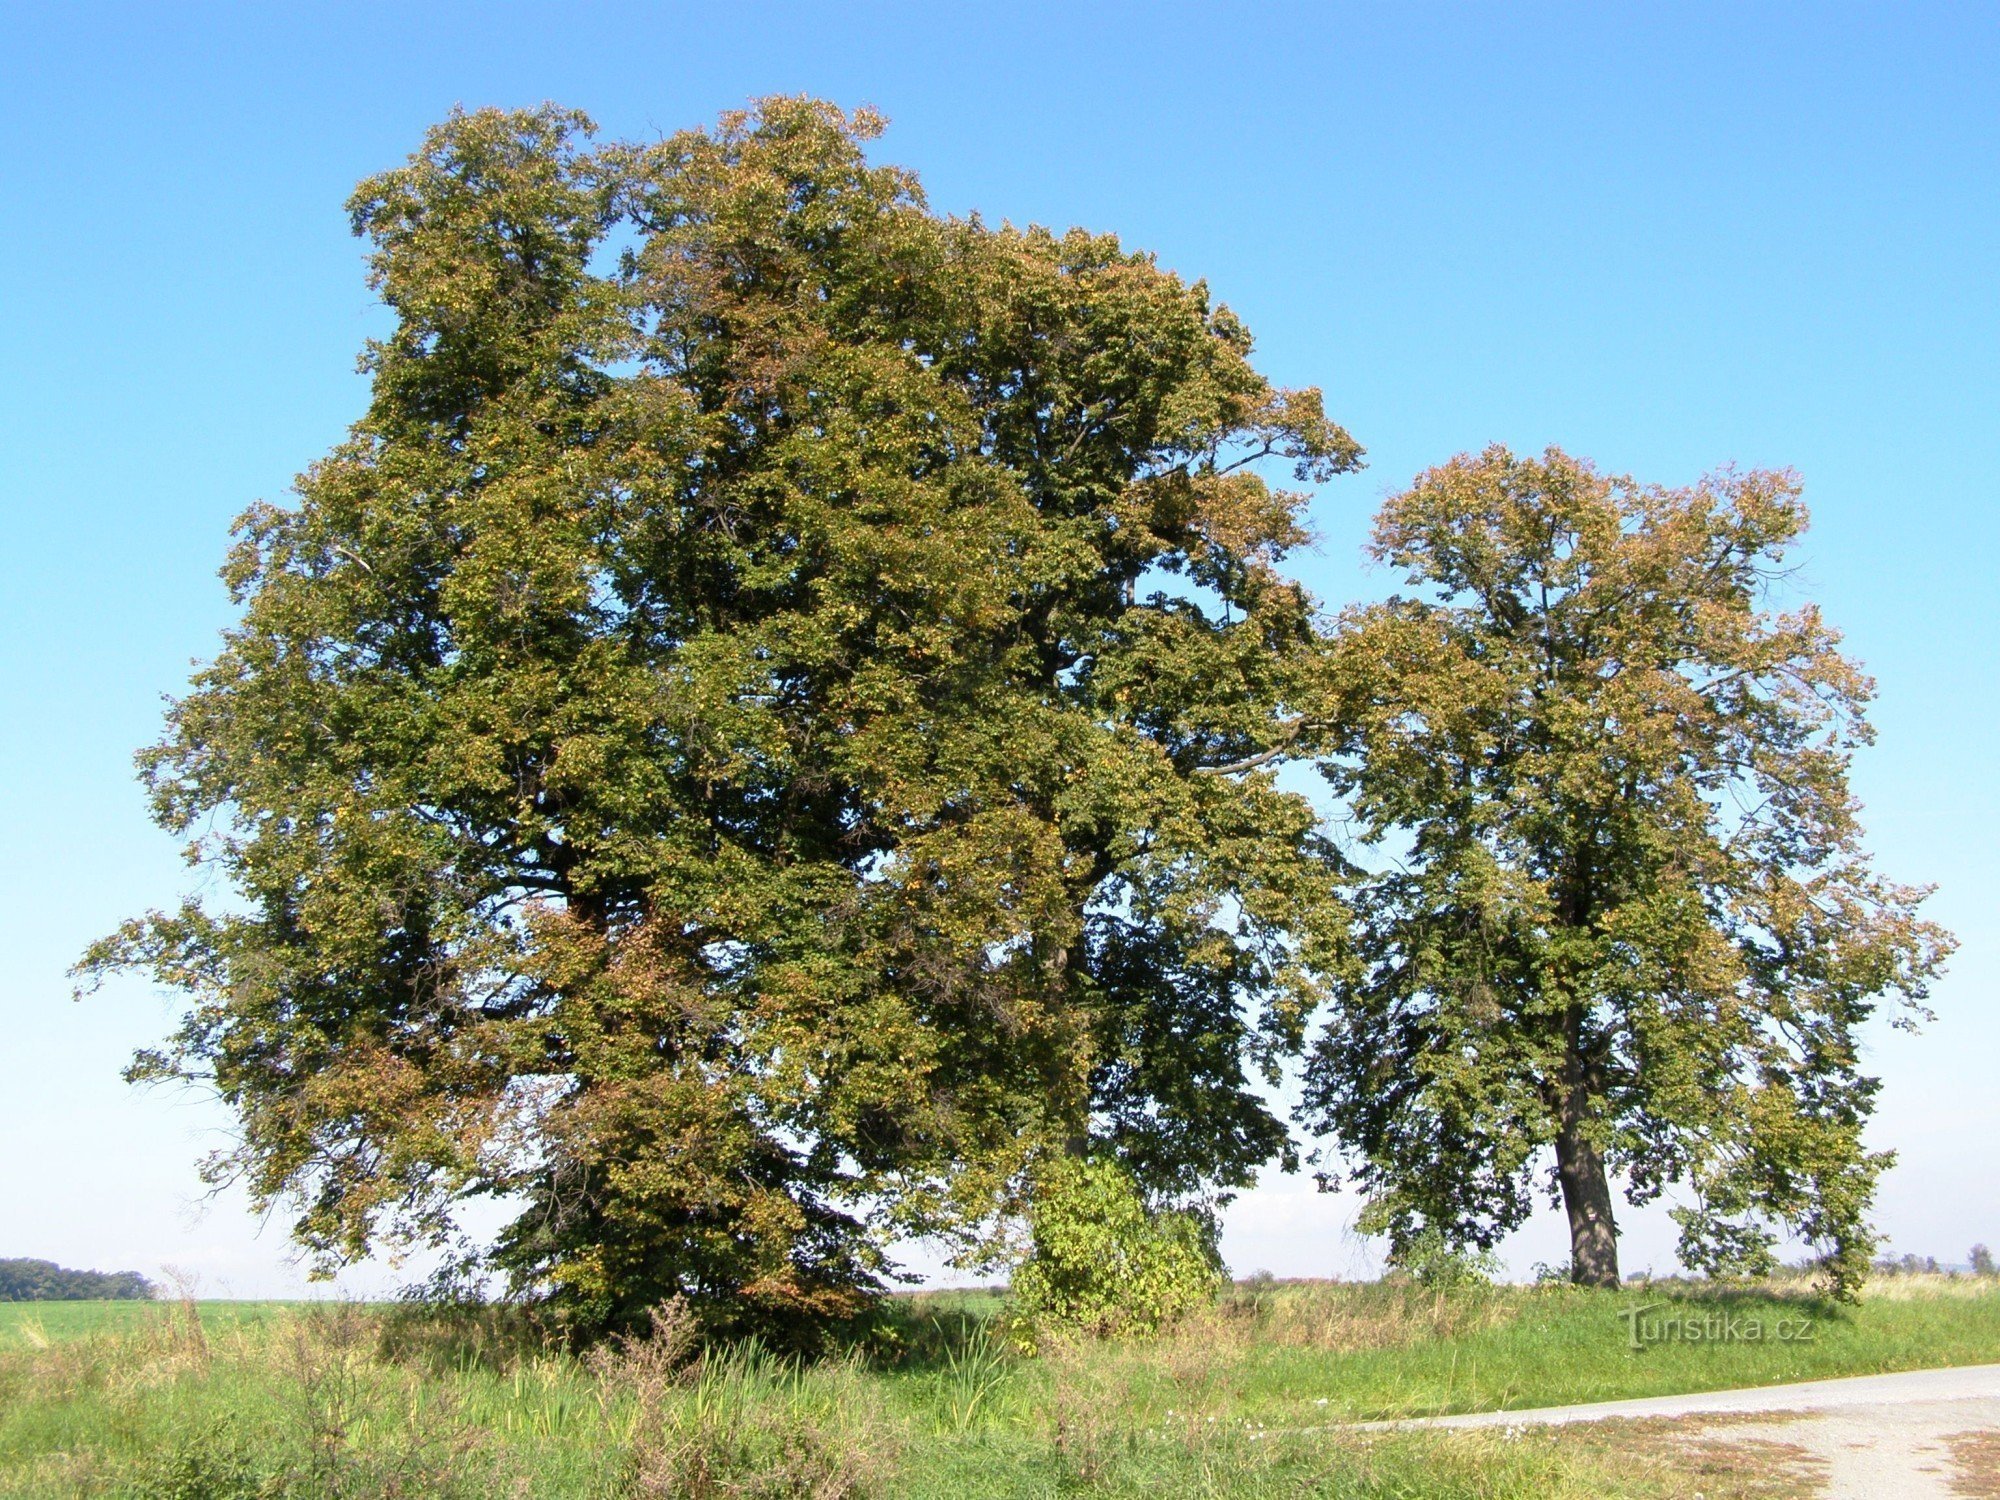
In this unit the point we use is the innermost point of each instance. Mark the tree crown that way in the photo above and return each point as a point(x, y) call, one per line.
point(717, 755)
point(1630, 893)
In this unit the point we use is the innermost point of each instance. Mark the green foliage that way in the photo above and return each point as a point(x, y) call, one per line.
point(210, 1462)
point(1439, 1265)
point(1982, 1262)
point(974, 1370)
point(45, 1281)
point(1103, 1261)
point(1629, 921)
point(728, 754)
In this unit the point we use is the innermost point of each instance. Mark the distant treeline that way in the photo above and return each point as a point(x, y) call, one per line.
point(45, 1281)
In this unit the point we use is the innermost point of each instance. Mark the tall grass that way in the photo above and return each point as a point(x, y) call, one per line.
point(202, 1400)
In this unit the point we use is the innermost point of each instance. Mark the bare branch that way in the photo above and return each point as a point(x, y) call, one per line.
point(1291, 730)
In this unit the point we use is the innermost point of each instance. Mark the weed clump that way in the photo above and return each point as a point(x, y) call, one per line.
point(736, 1422)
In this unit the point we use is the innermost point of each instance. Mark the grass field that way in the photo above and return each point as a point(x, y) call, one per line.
point(67, 1320)
point(225, 1401)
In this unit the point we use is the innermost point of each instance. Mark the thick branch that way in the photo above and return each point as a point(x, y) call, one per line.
point(1291, 729)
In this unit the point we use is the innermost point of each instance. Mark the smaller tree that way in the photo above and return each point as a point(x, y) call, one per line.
point(1623, 918)
point(1982, 1262)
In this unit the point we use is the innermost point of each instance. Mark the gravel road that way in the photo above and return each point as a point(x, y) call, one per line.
point(1879, 1437)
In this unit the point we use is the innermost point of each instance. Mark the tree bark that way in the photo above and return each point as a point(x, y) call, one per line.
point(1593, 1232)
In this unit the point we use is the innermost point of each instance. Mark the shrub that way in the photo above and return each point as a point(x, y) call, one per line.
point(209, 1463)
point(1103, 1261)
point(1982, 1262)
point(1438, 1265)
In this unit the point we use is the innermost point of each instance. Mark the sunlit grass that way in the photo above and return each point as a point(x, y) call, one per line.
point(226, 1400)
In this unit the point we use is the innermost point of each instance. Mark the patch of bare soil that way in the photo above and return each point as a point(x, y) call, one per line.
point(1976, 1457)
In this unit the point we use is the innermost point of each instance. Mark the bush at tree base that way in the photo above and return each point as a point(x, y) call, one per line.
point(1103, 1261)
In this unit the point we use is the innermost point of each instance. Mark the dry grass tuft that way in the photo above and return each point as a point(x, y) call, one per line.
point(1689, 1458)
point(703, 1426)
point(644, 1368)
point(1918, 1286)
point(1340, 1318)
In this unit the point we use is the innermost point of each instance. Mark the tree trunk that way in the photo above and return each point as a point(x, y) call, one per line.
point(1593, 1233)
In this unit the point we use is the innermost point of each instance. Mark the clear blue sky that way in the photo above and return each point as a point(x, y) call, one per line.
point(1667, 237)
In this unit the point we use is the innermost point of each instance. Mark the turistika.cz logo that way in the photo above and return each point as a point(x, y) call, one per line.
point(1649, 1325)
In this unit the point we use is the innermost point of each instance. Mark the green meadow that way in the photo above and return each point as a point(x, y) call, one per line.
point(941, 1396)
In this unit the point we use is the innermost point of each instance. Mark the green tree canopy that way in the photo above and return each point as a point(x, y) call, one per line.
point(718, 758)
point(28, 1280)
point(1623, 911)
